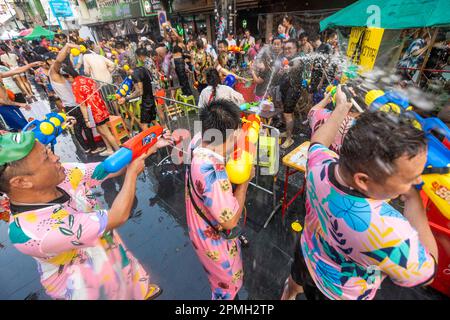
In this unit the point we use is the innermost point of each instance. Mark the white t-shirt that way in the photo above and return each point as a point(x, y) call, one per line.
point(98, 67)
point(222, 92)
point(10, 59)
point(231, 42)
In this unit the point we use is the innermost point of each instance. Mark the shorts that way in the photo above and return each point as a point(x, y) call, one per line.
point(289, 99)
point(13, 117)
point(19, 97)
point(104, 121)
point(300, 274)
point(148, 111)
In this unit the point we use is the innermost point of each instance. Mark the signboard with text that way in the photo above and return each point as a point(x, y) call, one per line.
point(150, 7)
point(363, 46)
point(117, 12)
point(61, 8)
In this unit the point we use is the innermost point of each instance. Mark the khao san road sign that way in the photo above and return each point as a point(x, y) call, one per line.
point(61, 8)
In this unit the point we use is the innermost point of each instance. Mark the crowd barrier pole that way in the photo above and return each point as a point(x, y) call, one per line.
point(276, 203)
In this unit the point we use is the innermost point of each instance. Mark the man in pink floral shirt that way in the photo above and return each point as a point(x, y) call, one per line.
point(57, 220)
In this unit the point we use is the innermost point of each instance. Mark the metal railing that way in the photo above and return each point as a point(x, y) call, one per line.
point(274, 132)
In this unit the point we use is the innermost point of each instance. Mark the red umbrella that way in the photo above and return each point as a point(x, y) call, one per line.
point(25, 32)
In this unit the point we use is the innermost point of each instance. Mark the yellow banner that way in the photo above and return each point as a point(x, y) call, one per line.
point(363, 46)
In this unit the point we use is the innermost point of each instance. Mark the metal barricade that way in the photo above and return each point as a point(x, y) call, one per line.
point(269, 130)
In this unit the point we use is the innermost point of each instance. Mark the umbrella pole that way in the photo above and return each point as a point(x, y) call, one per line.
point(427, 56)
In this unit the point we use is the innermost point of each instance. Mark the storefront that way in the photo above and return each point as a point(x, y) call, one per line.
point(129, 19)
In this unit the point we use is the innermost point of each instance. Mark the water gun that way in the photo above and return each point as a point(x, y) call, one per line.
point(124, 89)
point(239, 166)
point(48, 129)
point(248, 105)
point(76, 52)
point(230, 80)
point(332, 90)
point(234, 49)
point(129, 151)
point(246, 47)
point(436, 175)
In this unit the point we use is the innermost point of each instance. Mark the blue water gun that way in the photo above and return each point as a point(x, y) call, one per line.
point(436, 175)
point(124, 89)
point(46, 131)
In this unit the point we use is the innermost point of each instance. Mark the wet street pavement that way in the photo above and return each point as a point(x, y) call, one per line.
point(156, 234)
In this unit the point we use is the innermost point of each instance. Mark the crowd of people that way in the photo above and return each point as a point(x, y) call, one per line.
point(353, 238)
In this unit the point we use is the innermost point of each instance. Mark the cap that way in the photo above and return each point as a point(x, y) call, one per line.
point(15, 146)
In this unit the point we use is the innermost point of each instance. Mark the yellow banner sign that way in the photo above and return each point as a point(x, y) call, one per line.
point(363, 46)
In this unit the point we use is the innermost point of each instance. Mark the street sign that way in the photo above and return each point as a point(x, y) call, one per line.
point(61, 8)
point(150, 7)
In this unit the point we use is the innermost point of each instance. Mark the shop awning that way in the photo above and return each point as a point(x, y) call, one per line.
point(39, 31)
point(394, 14)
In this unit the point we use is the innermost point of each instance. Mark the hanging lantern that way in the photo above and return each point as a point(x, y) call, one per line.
point(244, 23)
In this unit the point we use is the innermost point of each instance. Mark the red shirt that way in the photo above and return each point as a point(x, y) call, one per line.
point(85, 90)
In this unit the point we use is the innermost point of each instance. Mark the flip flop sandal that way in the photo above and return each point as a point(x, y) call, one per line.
point(154, 292)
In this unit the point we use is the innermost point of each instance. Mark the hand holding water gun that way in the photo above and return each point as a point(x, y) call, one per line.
point(436, 174)
point(47, 130)
point(124, 89)
point(132, 149)
point(331, 89)
point(239, 166)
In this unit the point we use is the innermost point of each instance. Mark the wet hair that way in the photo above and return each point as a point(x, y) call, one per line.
point(12, 170)
point(294, 43)
point(141, 52)
point(199, 44)
point(213, 80)
point(224, 42)
point(276, 38)
point(315, 37)
point(376, 140)
point(120, 45)
point(68, 69)
point(222, 115)
point(289, 19)
point(331, 35)
point(303, 35)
